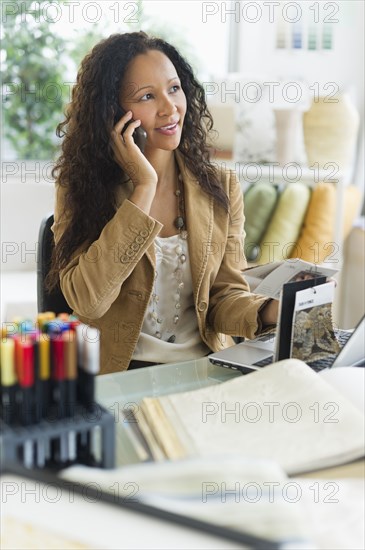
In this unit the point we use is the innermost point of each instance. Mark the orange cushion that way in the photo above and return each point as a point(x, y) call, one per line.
point(315, 242)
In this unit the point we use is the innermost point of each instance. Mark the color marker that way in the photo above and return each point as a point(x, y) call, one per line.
point(88, 339)
point(18, 355)
point(26, 381)
point(44, 371)
point(49, 368)
point(8, 381)
point(55, 326)
point(8, 330)
point(70, 354)
point(41, 389)
point(41, 345)
point(70, 359)
point(43, 318)
point(88, 342)
point(59, 448)
point(58, 374)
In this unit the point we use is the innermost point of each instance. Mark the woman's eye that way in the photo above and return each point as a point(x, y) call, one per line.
point(145, 97)
point(175, 88)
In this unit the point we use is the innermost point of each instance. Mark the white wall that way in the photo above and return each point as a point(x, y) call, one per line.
point(23, 206)
point(343, 65)
point(26, 198)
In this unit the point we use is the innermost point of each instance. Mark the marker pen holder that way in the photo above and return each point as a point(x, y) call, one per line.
point(87, 437)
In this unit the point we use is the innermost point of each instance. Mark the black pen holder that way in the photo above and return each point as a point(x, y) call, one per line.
point(87, 437)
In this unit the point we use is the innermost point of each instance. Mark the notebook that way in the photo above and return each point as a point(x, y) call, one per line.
point(252, 355)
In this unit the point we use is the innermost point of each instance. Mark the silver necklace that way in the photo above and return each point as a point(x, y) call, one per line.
point(180, 250)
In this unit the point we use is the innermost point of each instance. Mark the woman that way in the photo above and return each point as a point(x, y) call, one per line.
point(149, 246)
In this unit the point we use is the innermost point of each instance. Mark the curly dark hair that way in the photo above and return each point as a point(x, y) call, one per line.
point(87, 162)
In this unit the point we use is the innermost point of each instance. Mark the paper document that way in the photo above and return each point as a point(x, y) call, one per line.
point(284, 412)
point(268, 279)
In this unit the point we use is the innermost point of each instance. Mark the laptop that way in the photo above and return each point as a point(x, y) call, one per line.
point(252, 355)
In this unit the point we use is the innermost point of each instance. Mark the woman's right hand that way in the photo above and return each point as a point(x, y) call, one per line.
point(129, 156)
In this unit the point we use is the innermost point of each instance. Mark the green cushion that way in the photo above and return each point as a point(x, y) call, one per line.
point(260, 200)
point(282, 233)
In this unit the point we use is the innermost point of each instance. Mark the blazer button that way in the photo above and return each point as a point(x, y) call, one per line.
point(139, 239)
point(124, 259)
point(144, 233)
point(135, 246)
point(130, 253)
point(202, 306)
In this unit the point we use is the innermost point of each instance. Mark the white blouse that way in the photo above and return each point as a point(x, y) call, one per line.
point(171, 314)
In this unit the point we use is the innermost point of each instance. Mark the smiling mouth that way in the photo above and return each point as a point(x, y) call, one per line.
point(168, 127)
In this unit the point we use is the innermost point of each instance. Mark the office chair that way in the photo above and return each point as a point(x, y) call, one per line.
point(55, 300)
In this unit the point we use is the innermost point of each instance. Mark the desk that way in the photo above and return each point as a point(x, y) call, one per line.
point(91, 526)
point(337, 525)
point(120, 391)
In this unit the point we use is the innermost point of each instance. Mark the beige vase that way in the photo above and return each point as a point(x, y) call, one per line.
point(330, 131)
point(287, 126)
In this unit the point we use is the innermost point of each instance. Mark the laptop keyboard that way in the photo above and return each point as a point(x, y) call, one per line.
point(324, 363)
point(342, 336)
point(320, 364)
point(265, 362)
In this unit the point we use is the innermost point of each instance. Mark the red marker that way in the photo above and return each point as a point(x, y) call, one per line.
point(58, 373)
point(70, 363)
point(26, 380)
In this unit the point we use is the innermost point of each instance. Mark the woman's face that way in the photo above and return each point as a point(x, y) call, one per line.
point(152, 90)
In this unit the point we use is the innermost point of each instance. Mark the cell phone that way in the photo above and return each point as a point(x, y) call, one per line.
point(139, 135)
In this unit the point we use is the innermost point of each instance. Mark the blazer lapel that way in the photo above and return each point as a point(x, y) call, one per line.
point(199, 222)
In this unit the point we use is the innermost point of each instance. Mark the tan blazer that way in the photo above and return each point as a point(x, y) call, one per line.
point(109, 284)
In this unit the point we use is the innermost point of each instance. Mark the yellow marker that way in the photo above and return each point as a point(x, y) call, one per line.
point(44, 317)
point(8, 381)
point(44, 357)
point(8, 376)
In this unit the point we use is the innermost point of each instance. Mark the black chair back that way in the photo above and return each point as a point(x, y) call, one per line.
point(55, 300)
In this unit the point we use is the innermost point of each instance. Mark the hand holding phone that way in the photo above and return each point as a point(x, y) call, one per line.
point(139, 135)
point(126, 134)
